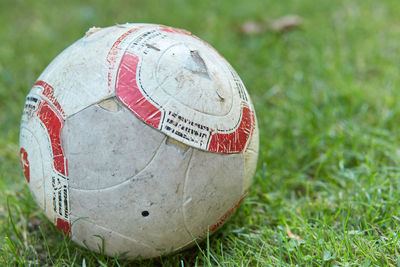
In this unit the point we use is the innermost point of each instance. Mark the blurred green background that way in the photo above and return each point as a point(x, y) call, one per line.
point(326, 93)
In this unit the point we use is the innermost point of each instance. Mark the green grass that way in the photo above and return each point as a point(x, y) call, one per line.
point(327, 99)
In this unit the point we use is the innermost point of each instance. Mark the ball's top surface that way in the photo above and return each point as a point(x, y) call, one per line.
point(170, 79)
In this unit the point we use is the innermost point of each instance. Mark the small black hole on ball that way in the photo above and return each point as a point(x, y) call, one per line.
point(145, 213)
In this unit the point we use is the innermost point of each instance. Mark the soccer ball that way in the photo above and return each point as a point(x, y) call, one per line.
point(138, 137)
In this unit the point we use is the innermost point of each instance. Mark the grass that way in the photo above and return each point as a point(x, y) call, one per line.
point(327, 187)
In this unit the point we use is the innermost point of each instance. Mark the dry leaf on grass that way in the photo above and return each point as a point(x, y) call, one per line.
point(291, 235)
point(285, 23)
point(252, 27)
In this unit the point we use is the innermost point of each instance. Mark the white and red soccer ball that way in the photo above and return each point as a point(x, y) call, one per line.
point(142, 135)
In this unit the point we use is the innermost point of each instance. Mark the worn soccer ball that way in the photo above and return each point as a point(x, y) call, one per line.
point(140, 137)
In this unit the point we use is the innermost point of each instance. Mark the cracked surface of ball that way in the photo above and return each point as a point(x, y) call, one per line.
point(140, 134)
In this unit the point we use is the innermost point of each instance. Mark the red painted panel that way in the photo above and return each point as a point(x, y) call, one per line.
point(48, 91)
point(53, 123)
point(234, 142)
point(113, 55)
point(63, 226)
point(115, 51)
point(129, 93)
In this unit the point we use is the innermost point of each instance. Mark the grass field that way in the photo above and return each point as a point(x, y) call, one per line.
point(327, 186)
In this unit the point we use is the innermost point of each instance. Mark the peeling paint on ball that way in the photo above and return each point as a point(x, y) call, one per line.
point(141, 134)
